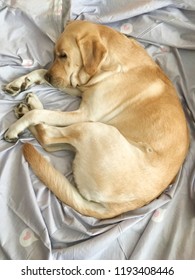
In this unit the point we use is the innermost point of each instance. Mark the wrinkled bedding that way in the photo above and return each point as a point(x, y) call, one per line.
point(34, 223)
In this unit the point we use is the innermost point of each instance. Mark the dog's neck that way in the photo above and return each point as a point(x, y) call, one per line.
point(85, 81)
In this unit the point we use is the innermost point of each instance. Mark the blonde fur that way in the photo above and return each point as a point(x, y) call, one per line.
point(129, 133)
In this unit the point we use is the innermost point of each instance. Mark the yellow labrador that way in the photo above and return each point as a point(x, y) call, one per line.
point(129, 133)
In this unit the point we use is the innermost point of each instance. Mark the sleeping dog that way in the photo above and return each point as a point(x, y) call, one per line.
point(129, 133)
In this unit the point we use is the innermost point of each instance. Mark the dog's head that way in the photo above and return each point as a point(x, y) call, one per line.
point(79, 54)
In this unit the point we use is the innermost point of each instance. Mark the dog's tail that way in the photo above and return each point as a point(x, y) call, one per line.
point(60, 186)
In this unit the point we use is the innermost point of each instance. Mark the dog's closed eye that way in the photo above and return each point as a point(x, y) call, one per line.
point(62, 55)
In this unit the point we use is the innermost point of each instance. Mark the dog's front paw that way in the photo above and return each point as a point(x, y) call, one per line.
point(10, 136)
point(24, 82)
point(17, 85)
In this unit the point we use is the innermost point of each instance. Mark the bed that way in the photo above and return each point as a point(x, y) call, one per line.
point(34, 223)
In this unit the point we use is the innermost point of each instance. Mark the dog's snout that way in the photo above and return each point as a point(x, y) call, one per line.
point(48, 77)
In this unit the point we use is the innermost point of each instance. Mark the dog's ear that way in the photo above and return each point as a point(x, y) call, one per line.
point(92, 53)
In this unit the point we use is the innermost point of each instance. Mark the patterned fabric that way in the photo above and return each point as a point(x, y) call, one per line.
point(34, 224)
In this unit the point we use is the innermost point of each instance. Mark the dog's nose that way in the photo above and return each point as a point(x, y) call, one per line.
point(48, 77)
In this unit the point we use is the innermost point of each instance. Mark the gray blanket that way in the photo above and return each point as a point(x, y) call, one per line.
point(34, 223)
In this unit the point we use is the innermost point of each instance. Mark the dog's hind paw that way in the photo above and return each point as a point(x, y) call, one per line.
point(21, 109)
point(33, 101)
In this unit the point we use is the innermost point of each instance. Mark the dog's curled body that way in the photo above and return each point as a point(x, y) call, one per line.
point(130, 133)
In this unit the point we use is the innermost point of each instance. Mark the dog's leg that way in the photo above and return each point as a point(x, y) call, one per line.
point(22, 83)
point(43, 133)
point(104, 170)
point(54, 118)
point(60, 185)
point(51, 138)
point(30, 102)
point(56, 182)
